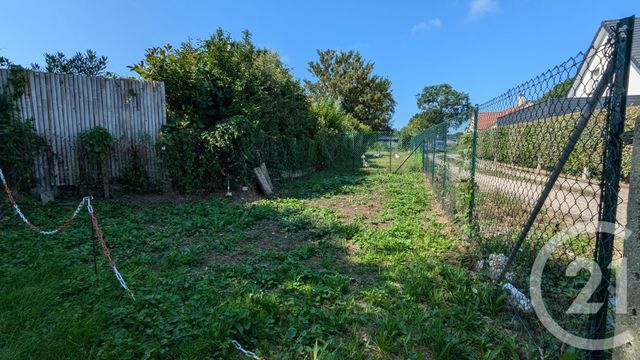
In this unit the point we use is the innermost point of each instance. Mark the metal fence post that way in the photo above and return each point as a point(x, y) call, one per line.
point(444, 161)
point(611, 178)
point(422, 152)
point(472, 176)
point(390, 151)
point(433, 157)
point(422, 143)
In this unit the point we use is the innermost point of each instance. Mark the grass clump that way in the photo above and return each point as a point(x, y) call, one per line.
point(295, 276)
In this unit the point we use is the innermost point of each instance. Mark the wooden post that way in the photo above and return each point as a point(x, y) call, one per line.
point(265, 172)
point(262, 180)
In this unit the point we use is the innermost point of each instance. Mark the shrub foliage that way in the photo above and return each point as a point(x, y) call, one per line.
point(95, 144)
point(232, 106)
point(540, 143)
point(348, 77)
point(19, 143)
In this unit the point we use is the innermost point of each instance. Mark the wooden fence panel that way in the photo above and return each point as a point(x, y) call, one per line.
point(62, 106)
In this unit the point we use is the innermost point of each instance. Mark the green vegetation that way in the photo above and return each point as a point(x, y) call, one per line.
point(438, 103)
point(538, 143)
point(94, 145)
point(332, 117)
point(19, 143)
point(95, 142)
point(88, 63)
point(135, 178)
point(232, 106)
point(560, 90)
point(338, 266)
point(349, 79)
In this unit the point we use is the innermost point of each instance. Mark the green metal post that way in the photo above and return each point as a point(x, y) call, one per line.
point(444, 161)
point(611, 178)
point(424, 164)
point(472, 177)
point(433, 159)
point(390, 151)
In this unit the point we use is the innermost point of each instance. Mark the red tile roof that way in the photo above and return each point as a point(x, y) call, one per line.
point(488, 119)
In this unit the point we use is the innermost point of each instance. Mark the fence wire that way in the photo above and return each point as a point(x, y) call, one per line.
point(370, 151)
point(446, 160)
point(557, 135)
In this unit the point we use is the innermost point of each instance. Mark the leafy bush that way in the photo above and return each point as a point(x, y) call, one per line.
point(230, 143)
point(333, 119)
point(405, 137)
point(94, 145)
point(19, 143)
point(232, 106)
point(96, 142)
point(182, 156)
point(83, 64)
point(135, 178)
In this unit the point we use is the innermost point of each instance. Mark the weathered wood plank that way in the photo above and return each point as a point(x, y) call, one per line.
point(62, 106)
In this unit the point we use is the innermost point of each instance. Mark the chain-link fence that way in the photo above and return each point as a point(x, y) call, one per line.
point(445, 151)
point(370, 151)
point(544, 157)
point(383, 151)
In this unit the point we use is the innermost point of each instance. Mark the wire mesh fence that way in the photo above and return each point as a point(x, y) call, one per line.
point(384, 152)
point(446, 160)
point(291, 157)
point(544, 158)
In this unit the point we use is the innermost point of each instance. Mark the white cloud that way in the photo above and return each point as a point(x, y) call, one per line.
point(434, 23)
point(477, 8)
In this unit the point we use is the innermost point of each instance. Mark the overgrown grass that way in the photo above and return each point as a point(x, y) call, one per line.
point(286, 277)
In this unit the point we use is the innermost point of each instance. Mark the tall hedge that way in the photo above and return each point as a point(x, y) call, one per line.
point(540, 143)
point(230, 107)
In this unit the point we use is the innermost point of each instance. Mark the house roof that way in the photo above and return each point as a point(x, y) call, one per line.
point(606, 28)
point(488, 119)
point(609, 25)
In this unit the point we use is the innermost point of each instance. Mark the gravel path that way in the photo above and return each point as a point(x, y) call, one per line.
point(573, 198)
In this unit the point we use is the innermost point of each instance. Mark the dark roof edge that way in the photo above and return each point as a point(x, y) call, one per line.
point(636, 23)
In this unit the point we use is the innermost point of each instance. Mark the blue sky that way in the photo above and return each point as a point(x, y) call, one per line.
point(481, 47)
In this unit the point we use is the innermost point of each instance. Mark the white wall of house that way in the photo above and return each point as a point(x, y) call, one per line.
point(591, 73)
point(634, 80)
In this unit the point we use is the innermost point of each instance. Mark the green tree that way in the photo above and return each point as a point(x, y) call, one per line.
point(230, 105)
point(438, 103)
point(218, 78)
point(332, 118)
point(346, 76)
point(560, 90)
point(88, 63)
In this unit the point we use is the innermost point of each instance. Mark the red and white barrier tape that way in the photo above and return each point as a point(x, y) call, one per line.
point(105, 249)
point(86, 201)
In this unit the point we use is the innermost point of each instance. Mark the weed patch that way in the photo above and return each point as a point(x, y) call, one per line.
point(293, 276)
